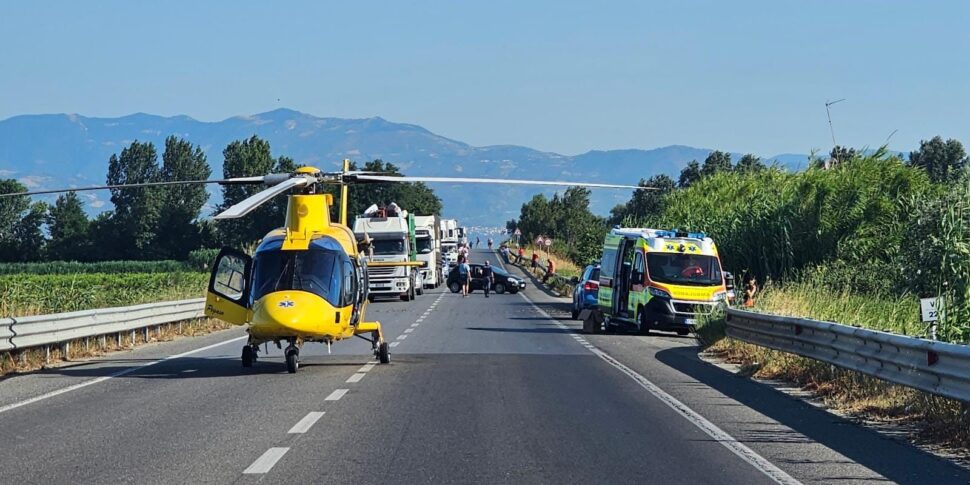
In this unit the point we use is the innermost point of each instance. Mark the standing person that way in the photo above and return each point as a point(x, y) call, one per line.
point(521, 255)
point(535, 261)
point(478, 241)
point(488, 276)
point(750, 288)
point(464, 275)
point(489, 244)
point(550, 270)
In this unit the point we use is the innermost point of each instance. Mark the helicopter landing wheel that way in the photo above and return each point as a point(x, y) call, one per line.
point(292, 359)
point(248, 356)
point(383, 354)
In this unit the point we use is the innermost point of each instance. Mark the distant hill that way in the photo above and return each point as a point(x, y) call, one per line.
point(53, 150)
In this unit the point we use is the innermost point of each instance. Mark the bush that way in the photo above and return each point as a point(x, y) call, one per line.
point(202, 259)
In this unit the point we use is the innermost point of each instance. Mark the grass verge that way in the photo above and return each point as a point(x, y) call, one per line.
point(38, 358)
point(934, 420)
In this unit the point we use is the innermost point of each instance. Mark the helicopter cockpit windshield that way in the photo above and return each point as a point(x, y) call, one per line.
point(323, 269)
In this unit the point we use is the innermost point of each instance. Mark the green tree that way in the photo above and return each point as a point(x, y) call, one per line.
point(943, 161)
point(136, 210)
point(841, 154)
point(21, 238)
point(689, 175)
point(247, 158)
point(749, 163)
point(69, 227)
point(416, 198)
point(716, 162)
point(181, 204)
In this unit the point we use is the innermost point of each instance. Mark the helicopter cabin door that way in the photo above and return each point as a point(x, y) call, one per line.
point(230, 287)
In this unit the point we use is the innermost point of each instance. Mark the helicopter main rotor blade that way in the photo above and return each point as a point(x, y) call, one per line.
point(378, 178)
point(230, 181)
point(252, 202)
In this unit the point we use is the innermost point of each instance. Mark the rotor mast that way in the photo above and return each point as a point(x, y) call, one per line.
point(344, 195)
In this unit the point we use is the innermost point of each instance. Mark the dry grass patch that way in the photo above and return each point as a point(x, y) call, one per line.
point(40, 357)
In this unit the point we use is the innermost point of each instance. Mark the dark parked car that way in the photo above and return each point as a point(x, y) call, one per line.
point(585, 289)
point(504, 282)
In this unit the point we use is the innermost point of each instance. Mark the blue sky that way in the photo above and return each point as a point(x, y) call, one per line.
point(558, 76)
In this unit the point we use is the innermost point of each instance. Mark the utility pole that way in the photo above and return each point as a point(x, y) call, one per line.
point(828, 113)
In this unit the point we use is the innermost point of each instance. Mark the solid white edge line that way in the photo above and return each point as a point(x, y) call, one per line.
point(336, 395)
point(120, 373)
point(355, 378)
point(265, 462)
point(306, 423)
point(747, 454)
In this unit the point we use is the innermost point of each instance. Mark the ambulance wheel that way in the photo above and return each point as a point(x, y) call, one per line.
point(248, 356)
point(644, 325)
point(292, 361)
point(383, 354)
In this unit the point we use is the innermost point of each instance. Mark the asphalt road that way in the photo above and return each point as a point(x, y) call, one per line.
point(497, 390)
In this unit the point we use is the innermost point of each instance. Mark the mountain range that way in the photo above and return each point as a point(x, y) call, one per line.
point(57, 150)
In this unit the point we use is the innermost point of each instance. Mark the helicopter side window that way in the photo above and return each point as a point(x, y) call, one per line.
point(349, 284)
point(229, 279)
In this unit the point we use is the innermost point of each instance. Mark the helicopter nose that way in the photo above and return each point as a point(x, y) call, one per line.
point(298, 312)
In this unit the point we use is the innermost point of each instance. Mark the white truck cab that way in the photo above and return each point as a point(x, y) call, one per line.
point(427, 233)
point(389, 233)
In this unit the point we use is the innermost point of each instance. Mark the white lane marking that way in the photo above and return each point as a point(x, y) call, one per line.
point(415, 324)
point(306, 423)
point(419, 320)
point(408, 330)
point(393, 344)
point(265, 463)
point(402, 337)
point(356, 377)
point(367, 367)
point(120, 373)
point(719, 435)
point(336, 395)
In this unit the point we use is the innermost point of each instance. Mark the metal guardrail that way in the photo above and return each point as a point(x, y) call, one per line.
point(935, 367)
point(23, 332)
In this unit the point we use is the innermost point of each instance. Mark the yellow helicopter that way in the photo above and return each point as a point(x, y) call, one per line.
point(307, 280)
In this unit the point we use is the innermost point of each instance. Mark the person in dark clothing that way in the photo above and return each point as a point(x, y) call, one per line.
point(489, 278)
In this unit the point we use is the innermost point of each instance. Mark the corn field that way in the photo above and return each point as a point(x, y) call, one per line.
point(33, 294)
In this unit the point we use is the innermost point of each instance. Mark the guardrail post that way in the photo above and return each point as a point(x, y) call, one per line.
point(119, 339)
point(132, 338)
point(66, 350)
point(47, 353)
point(146, 334)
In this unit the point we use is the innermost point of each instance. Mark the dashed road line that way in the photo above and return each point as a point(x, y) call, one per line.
point(402, 337)
point(336, 395)
point(720, 436)
point(355, 378)
point(393, 344)
point(415, 324)
point(265, 463)
point(367, 367)
point(408, 330)
point(306, 423)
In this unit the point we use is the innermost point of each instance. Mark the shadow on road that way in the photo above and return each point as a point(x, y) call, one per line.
point(898, 461)
point(200, 367)
point(523, 330)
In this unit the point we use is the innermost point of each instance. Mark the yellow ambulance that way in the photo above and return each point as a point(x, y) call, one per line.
point(655, 279)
